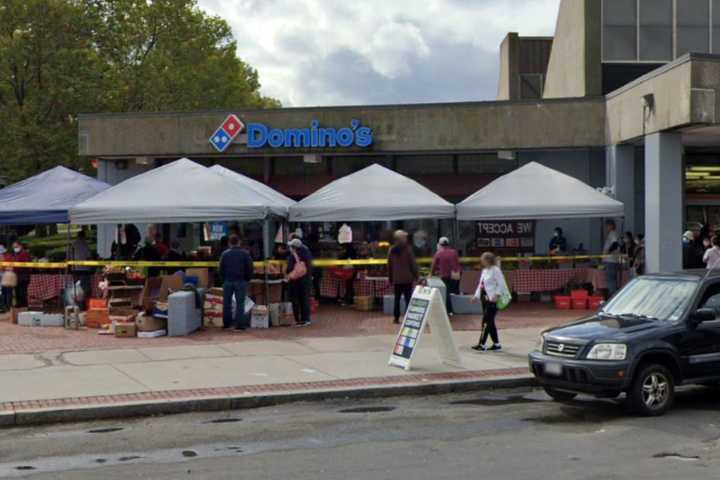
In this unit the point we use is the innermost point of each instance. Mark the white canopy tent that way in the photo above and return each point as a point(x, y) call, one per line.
point(276, 201)
point(374, 193)
point(535, 191)
point(179, 192)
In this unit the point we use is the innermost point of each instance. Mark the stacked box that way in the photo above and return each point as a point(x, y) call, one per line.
point(364, 303)
point(285, 314)
point(213, 308)
point(260, 317)
point(125, 330)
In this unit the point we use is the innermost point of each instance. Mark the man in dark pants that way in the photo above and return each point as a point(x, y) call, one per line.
point(300, 287)
point(236, 270)
point(402, 271)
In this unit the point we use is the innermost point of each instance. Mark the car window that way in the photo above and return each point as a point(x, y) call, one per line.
point(711, 299)
point(660, 298)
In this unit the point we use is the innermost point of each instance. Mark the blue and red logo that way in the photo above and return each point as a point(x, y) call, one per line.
point(223, 136)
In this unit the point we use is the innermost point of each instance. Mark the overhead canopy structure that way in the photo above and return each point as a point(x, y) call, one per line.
point(535, 191)
point(276, 201)
point(179, 192)
point(46, 197)
point(374, 193)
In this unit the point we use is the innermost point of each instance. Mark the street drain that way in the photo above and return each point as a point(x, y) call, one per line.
point(189, 453)
point(225, 420)
point(100, 460)
point(105, 430)
point(24, 467)
point(677, 456)
point(367, 410)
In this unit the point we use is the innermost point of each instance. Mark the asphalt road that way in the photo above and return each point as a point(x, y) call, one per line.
point(516, 434)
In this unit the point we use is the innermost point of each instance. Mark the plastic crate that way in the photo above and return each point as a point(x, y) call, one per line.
point(579, 303)
point(562, 302)
point(579, 294)
point(97, 304)
point(595, 302)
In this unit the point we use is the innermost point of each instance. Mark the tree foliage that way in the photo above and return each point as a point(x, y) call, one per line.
point(62, 57)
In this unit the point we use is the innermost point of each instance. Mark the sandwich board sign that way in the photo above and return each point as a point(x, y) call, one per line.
point(426, 308)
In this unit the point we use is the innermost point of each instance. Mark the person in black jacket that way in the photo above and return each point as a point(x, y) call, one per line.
point(236, 270)
point(300, 286)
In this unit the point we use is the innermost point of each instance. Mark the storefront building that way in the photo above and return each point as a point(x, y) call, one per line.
point(596, 101)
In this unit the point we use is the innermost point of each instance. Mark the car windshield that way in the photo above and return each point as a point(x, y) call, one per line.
point(653, 298)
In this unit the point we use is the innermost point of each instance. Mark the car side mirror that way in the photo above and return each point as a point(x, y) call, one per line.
point(703, 315)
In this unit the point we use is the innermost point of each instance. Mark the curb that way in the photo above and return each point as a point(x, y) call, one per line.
point(79, 413)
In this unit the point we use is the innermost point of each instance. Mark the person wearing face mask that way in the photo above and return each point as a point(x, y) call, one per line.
point(558, 243)
point(20, 254)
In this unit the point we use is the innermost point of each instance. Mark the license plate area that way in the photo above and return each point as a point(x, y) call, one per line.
point(553, 369)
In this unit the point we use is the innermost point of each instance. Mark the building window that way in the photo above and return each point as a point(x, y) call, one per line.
point(656, 35)
point(296, 167)
point(531, 85)
point(693, 26)
point(345, 165)
point(484, 164)
point(425, 164)
point(619, 33)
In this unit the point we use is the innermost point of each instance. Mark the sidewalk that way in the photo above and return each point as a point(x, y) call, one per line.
point(237, 370)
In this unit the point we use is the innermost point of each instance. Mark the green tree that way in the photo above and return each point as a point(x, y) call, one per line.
point(62, 57)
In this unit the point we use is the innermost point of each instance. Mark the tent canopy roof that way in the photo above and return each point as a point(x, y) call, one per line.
point(374, 193)
point(276, 201)
point(535, 191)
point(46, 197)
point(179, 192)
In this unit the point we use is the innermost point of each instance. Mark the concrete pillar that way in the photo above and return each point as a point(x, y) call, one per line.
point(620, 174)
point(663, 202)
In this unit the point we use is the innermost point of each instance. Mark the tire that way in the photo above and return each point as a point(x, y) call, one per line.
point(653, 390)
point(560, 395)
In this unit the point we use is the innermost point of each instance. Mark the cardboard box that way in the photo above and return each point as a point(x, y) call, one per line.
point(257, 291)
point(125, 330)
point(169, 284)
point(213, 319)
point(97, 318)
point(259, 317)
point(148, 323)
point(123, 315)
point(150, 293)
point(364, 304)
point(202, 274)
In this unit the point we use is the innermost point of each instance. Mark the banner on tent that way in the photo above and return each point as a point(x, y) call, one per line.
point(516, 236)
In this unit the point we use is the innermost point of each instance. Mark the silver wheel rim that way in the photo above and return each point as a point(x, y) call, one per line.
point(655, 390)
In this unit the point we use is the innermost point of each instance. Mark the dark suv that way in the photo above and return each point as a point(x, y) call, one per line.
point(658, 332)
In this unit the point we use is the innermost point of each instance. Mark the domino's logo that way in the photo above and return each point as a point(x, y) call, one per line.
point(226, 133)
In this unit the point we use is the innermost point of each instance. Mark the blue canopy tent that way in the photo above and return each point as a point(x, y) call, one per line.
point(47, 197)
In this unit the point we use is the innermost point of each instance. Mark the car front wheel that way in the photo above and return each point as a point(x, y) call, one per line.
point(559, 395)
point(653, 390)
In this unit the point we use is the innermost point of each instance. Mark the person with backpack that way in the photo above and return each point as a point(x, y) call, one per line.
point(492, 290)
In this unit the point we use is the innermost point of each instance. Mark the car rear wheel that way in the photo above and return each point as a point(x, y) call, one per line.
point(653, 390)
point(560, 395)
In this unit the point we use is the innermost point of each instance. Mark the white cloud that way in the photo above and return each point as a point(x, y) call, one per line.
point(325, 52)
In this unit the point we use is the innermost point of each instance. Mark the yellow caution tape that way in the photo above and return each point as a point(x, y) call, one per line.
point(320, 263)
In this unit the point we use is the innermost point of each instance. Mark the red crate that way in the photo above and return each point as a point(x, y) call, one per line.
point(595, 302)
point(579, 303)
point(562, 302)
point(580, 294)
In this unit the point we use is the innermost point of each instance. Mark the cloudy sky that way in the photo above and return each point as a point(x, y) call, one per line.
point(341, 52)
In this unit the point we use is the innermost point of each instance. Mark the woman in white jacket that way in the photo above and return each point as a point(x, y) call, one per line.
point(491, 287)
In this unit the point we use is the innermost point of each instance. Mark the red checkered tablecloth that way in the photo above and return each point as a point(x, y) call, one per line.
point(528, 281)
point(43, 287)
point(331, 287)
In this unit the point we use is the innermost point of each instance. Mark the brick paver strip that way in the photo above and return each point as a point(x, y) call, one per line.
point(193, 394)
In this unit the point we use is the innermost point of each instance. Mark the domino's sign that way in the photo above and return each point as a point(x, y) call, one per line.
point(314, 136)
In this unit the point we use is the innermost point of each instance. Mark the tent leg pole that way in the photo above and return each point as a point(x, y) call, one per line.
point(266, 247)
